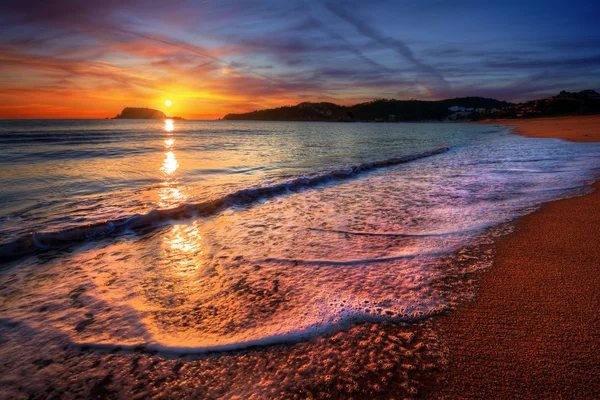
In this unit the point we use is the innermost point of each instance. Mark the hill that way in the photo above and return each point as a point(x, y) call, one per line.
point(377, 110)
point(565, 103)
point(140, 113)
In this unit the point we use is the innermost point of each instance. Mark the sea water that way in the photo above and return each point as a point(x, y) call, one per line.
point(211, 239)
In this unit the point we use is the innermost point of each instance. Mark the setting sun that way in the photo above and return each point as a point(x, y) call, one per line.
point(168, 103)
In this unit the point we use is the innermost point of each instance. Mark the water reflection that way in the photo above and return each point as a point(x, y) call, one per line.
point(169, 126)
point(182, 243)
point(170, 193)
point(184, 249)
point(170, 163)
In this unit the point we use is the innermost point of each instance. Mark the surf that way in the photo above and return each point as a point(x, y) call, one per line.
point(157, 217)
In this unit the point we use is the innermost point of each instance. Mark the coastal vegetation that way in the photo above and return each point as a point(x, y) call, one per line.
point(382, 110)
point(463, 108)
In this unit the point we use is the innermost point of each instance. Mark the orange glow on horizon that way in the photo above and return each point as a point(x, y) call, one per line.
point(97, 91)
point(100, 94)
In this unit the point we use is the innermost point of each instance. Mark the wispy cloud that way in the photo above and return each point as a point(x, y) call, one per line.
point(91, 58)
point(394, 44)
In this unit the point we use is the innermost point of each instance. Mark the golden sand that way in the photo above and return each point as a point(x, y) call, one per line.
point(575, 129)
point(533, 330)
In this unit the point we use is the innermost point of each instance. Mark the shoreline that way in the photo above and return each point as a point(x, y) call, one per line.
point(533, 328)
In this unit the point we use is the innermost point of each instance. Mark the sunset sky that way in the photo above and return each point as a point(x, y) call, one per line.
point(89, 59)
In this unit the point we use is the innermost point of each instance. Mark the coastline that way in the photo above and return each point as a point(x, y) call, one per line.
point(533, 328)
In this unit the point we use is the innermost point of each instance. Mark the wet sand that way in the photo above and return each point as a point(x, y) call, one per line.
point(533, 329)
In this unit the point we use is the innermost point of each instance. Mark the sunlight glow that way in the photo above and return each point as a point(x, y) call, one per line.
point(186, 239)
point(184, 249)
point(168, 103)
point(170, 163)
point(169, 127)
point(171, 194)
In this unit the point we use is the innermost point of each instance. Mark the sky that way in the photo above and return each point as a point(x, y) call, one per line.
point(92, 58)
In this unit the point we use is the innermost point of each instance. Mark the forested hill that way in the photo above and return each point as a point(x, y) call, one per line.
point(377, 110)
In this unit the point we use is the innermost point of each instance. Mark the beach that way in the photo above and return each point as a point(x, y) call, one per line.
point(533, 328)
point(576, 129)
point(324, 263)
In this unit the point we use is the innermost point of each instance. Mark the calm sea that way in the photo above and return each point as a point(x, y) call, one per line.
point(190, 237)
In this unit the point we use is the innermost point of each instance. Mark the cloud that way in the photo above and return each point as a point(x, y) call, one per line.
point(217, 55)
point(394, 44)
point(316, 23)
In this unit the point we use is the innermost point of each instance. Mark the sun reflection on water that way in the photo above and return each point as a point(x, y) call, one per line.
point(186, 239)
point(185, 246)
point(170, 163)
point(170, 193)
point(169, 126)
point(183, 243)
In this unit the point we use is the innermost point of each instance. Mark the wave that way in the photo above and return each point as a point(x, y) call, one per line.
point(336, 323)
point(244, 197)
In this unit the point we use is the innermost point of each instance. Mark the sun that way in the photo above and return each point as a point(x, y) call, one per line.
point(168, 103)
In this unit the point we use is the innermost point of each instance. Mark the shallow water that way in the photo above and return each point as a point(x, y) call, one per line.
point(386, 246)
point(59, 174)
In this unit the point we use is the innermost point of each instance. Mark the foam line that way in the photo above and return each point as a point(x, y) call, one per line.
point(351, 262)
point(310, 332)
point(389, 234)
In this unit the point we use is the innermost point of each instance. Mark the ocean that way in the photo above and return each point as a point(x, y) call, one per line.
point(241, 259)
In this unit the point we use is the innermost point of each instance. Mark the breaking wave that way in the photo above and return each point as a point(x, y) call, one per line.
point(244, 197)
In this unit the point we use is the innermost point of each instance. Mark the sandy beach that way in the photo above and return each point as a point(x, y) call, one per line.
point(533, 329)
point(576, 129)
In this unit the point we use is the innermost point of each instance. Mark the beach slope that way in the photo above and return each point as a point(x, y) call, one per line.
point(533, 330)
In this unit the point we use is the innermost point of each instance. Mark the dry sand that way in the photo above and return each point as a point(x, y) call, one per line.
point(576, 129)
point(533, 330)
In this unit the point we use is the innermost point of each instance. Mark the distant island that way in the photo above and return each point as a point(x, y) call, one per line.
point(461, 108)
point(142, 113)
